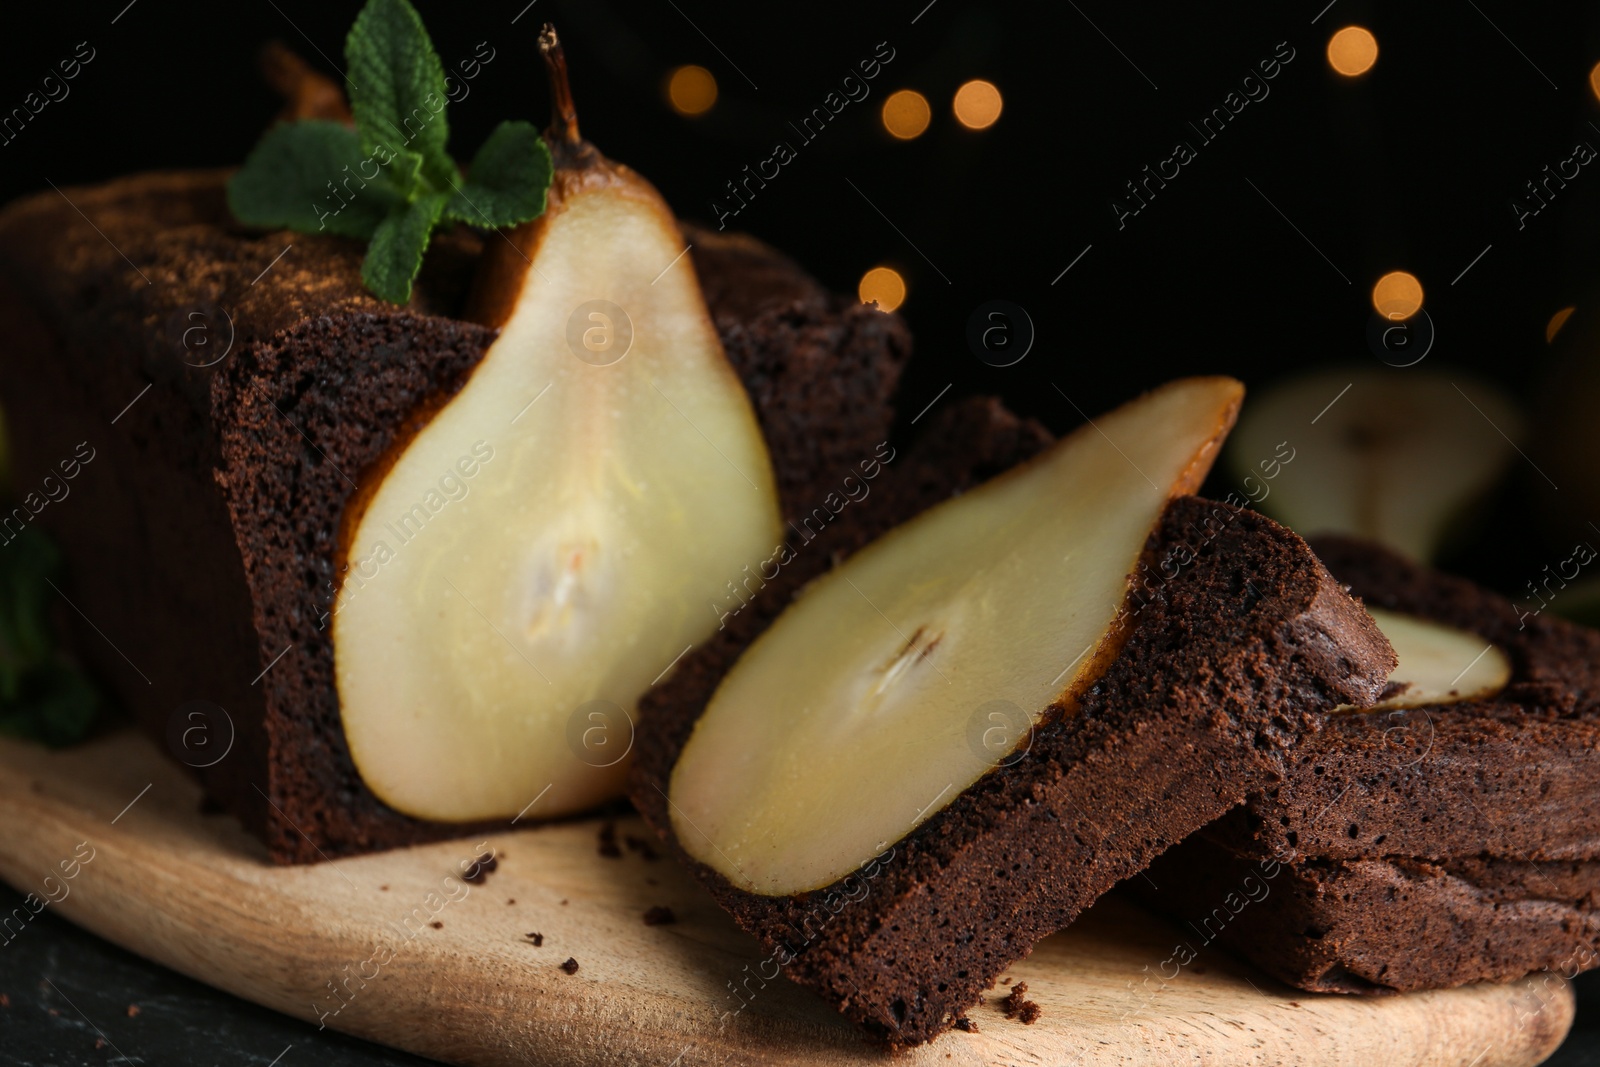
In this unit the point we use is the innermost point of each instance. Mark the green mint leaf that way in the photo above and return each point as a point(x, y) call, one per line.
point(312, 177)
point(395, 255)
point(42, 698)
point(390, 180)
point(508, 179)
point(397, 86)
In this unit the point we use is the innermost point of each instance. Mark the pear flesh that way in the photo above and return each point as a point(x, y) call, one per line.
point(1439, 664)
point(1390, 456)
point(874, 700)
point(489, 648)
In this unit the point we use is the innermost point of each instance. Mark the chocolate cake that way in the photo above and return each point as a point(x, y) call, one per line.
point(1426, 847)
point(1215, 683)
point(1383, 924)
point(234, 387)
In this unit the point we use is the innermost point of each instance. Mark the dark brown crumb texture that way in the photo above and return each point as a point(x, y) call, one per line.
point(1386, 924)
point(1216, 681)
point(203, 534)
point(1515, 776)
point(1425, 848)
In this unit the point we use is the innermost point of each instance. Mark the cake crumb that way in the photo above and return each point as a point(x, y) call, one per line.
point(608, 841)
point(642, 847)
point(1017, 1006)
point(437, 925)
point(383, 888)
point(563, 902)
point(536, 939)
point(966, 1025)
point(133, 1011)
point(571, 966)
point(660, 915)
point(513, 900)
point(99, 1043)
point(481, 868)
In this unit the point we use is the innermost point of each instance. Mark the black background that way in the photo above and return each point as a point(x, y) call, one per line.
point(1413, 166)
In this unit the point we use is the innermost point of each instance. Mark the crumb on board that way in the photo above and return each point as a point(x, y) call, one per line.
point(481, 868)
point(608, 841)
point(513, 900)
point(133, 1011)
point(571, 966)
point(642, 847)
point(1017, 1006)
point(535, 939)
point(437, 925)
point(966, 1025)
point(660, 915)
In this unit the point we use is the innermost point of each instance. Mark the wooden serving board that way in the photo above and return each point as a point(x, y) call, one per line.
point(428, 963)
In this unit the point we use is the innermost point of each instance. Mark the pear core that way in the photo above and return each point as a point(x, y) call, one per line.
point(873, 701)
point(1439, 664)
point(553, 539)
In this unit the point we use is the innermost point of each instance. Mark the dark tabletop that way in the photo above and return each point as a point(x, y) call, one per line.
point(69, 999)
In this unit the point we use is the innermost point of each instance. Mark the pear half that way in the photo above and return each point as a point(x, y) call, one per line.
point(858, 714)
point(1393, 456)
point(550, 541)
point(1439, 664)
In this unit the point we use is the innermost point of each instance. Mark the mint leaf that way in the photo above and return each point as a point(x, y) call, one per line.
point(507, 181)
point(311, 177)
point(395, 254)
point(390, 180)
point(42, 697)
point(397, 86)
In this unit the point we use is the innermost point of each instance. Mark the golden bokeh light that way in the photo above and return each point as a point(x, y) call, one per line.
point(906, 114)
point(1397, 295)
point(978, 104)
point(692, 90)
point(1594, 79)
point(1558, 320)
point(1352, 51)
point(882, 286)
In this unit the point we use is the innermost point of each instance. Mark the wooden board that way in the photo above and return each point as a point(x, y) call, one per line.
point(428, 963)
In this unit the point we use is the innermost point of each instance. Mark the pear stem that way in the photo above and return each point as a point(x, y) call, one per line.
point(563, 116)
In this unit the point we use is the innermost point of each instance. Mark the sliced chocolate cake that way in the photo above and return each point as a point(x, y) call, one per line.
point(1381, 925)
point(811, 807)
point(1426, 846)
point(229, 398)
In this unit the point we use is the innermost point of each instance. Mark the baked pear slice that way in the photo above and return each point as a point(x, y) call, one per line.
point(871, 702)
point(547, 544)
point(1439, 664)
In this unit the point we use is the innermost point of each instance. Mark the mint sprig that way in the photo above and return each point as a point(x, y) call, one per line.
point(390, 180)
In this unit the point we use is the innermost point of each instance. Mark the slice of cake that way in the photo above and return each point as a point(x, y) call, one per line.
point(1441, 839)
point(950, 745)
point(229, 401)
